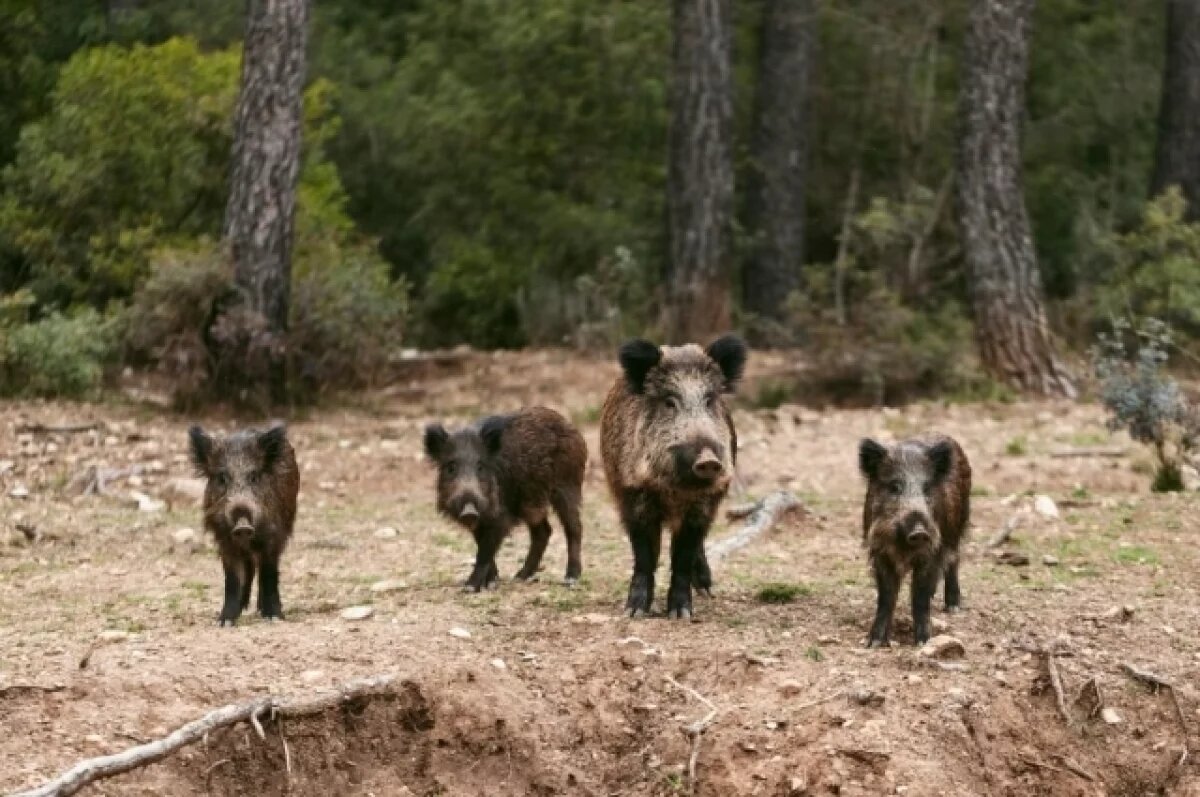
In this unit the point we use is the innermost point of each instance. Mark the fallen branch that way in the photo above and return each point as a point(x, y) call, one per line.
point(696, 729)
point(1073, 767)
point(819, 701)
point(16, 689)
point(94, 769)
point(1107, 453)
point(41, 428)
point(766, 513)
point(1010, 526)
point(1057, 684)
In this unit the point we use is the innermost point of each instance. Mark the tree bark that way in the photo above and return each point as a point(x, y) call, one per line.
point(775, 205)
point(700, 171)
point(265, 167)
point(1177, 161)
point(1006, 291)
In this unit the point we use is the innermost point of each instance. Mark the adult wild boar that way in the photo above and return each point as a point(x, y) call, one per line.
point(250, 508)
point(669, 448)
point(915, 514)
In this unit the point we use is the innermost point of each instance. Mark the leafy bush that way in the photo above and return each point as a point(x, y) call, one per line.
point(1143, 400)
point(58, 355)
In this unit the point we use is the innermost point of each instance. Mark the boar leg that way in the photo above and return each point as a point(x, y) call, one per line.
point(686, 546)
point(247, 582)
point(566, 506)
point(642, 518)
point(887, 587)
point(701, 575)
point(487, 542)
point(539, 536)
point(953, 592)
point(269, 604)
point(235, 567)
point(924, 585)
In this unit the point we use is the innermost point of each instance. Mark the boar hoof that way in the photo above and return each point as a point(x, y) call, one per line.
point(682, 613)
point(570, 583)
point(524, 575)
point(226, 622)
point(954, 608)
point(469, 587)
point(636, 612)
point(878, 643)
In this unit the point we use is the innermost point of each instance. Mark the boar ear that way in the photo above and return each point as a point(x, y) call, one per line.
point(491, 431)
point(200, 447)
point(729, 353)
point(870, 457)
point(436, 438)
point(637, 358)
point(271, 443)
point(940, 455)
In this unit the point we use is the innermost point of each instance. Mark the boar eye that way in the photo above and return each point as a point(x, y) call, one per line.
point(480, 469)
point(672, 403)
point(896, 487)
point(711, 400)
point(451, 469)
point(221, 480)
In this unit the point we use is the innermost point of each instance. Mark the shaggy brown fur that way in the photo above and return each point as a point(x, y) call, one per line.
point(669, 448)
point(915, 514)
point(250, 508)
point(507, 469)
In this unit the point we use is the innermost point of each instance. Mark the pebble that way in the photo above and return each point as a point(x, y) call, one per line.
point(183, 536)
point(358, 612)
point(943, 647)
point(1050, 561)
point(499, 664)
point(19, 491)
point(386, 533)
point(312, 676)
point(114, 635)
point(1044, 505)
point(1110, 716)
point(460, 633)
point(388, 585)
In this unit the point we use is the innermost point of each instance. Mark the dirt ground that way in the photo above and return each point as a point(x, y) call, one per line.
point(554, 691)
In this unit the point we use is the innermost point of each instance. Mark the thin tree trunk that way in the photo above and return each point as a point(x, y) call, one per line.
point(1006, 291)
point(775, 207)
point(700, 171)
point(266, 165)
point(1178, 156)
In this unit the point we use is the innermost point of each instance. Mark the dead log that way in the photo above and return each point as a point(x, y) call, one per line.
point(93, 769)
point(766, 514)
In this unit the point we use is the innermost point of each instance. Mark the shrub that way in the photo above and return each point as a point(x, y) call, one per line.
point(1143, 400)
point(59, 355)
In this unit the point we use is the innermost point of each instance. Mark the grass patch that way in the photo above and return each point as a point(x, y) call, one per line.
point(814, 653)
point(1016, 447)
point(586, 415)
point(781, 592)
point(1136, 555)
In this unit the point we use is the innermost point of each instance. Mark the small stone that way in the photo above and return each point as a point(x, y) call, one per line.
point(1110, 716)
point(358, 612)
point(1050, 561)
point(791, 688)
point(867, 697)
point(592, 618)
point(797, 786)
point(184, 536)
point(1014, 558)
point(940, 626)
point(145, 503)
point(19, 491)
point(94, 738)
point(943, 647)
point(386, 533)
point(959, 696)
point(114, 635)
point(1044, 505)
point(312, 676)
point(460, 633)
point(388, 585)
point(499, 664)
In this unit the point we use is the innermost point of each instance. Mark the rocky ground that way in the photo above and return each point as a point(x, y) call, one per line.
point(108, 599)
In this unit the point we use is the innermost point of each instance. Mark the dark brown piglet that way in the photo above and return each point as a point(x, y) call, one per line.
point(508, 469)
point(915, 516)
point(250, 509)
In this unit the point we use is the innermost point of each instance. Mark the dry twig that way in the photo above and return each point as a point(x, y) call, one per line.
point(93, 769)
point(16, 689)
point(41, 428)
point(1157, 683)
point(1057, 684)
point(695, 729)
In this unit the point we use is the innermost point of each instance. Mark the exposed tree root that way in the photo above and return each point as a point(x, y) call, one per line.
point(762, 516)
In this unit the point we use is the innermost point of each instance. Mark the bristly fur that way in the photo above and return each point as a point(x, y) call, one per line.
point(921, 484)
point(512, 469)
point(667, 411)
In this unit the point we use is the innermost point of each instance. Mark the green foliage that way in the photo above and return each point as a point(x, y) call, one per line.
point(1157, 267)
point(59, 355)
point(781, 592)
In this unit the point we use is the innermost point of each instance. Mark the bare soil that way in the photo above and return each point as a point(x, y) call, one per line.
point(554, 692)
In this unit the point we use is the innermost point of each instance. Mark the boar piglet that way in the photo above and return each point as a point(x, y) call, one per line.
point(914, 517)
point(508, 469)
point(669, 450)
point(250, 508)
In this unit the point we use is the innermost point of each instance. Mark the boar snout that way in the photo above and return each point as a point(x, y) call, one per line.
point(465, 508)
point(915, 528)
point(698, 461)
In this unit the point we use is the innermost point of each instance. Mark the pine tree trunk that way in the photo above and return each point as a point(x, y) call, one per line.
point(775, 203)
point(266, 165)
point(1006, 291)
point(1178, 156)
point(700, 173)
